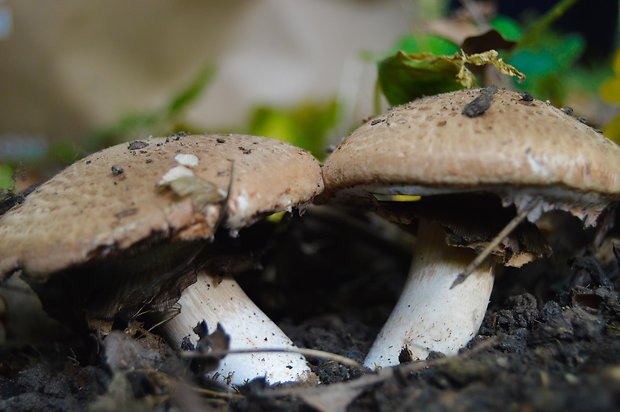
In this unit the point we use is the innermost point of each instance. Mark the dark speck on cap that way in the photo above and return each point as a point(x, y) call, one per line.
point(480, 104)
point(137, 144)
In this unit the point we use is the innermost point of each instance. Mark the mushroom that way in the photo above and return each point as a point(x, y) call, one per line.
point(128, 228)
point(451, 150)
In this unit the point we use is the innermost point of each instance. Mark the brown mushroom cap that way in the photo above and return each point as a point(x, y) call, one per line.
point(429, 143)
point(111, 200)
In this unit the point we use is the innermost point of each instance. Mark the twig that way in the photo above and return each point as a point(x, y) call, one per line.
point(302, 351)
point(218, 394)
point(494, 242)
point(354, 387)
point(383, 374)
point(175, 311)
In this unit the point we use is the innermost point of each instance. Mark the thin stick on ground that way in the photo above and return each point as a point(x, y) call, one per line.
point(385, 373)
point(315, 353)
point(353, 385)
point(175, 310)
point(217, 394)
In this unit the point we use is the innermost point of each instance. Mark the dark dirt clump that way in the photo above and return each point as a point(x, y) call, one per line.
point(480, 104)
point(48, 381)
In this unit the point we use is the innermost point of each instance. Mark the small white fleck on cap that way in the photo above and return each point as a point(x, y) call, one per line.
point(186, 159)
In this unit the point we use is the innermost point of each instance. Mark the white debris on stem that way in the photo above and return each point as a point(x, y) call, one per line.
point(248, 327)
point(430, 315)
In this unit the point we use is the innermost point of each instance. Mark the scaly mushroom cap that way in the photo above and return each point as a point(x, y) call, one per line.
point(430, 143)
point(114, 199)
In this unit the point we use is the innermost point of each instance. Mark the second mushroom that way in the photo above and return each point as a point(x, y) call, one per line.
point(518, 157)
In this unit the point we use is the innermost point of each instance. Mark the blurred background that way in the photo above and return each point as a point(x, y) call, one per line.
point(78, 76)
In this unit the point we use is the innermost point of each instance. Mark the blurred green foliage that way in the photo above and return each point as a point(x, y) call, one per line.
point(6, 177)
point(610, 92)
point(64, 152)
point(161, 121)
point(507, 27)
point(546, 58)
point(546, 61)
point(551, 59)
point(610, 89)
point(305, 125)
point(540, 27)
point(418, 64)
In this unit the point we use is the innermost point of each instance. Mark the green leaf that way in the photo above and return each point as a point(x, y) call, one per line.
point(547, 61)
point(507, 27)
point(189, 94)
point(64, 152)
point(306, 125)
point(6, 177)
point(162, 119)
point(535, 63)
point(550, 54)
point(612, 129)
point(610, 90)
point(616, 63)
point(424, 42)
point(414, 43)
point(542, 25)
point(404, 77)
point(272, 122)
point(122, 129)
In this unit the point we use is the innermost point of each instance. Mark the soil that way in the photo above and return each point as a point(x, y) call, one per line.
point(550, 339)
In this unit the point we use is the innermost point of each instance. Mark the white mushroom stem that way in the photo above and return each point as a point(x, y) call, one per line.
point(430, 316)
point(248, 328)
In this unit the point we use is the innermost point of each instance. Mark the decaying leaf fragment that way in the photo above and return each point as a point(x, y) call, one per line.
point(404, 77)
point(209, 346)
point(202, 192)
point(490, 57)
